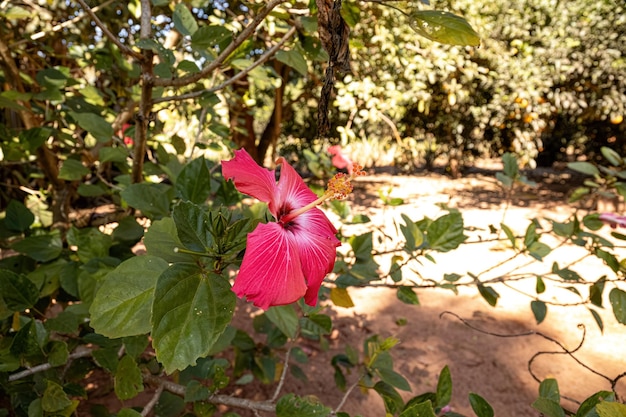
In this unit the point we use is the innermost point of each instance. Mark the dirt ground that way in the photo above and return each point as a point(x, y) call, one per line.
point(497, 368)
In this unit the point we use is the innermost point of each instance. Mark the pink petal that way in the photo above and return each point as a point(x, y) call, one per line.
point(270, 273)
point(317, 245)
point(292, 191)
point(339, 160)
point(613, 219)
point(251, 179)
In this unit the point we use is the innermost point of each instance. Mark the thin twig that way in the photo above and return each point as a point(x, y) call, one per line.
point(345, 396)
point(153, 401)
point(58, 27)
point(283, 375)
point(262, 59)
point(215, 398)
point(105, 30)
point(244, 35)
point(83, 352)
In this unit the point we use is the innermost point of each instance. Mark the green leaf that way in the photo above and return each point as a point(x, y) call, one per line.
point(152, 199)
point(443, 27)
point(128, 230)
point(350, 11)
point(191, 310)
point(548, 408)
point(407, 295)
point(94, 124)
point(316, 325)
point(128, 412)
point(611, 156)
point(291, 405)
point(489, 294)
point(294, 59)
point(617, 298)
point(412, 234)
point(446, 233)
point(128, 380)
point(15, 12)
point(341, 297)
point(123, 303)
point(393, 378)
point(184, 21)
point(609, 258)
point(509, 234)
point(480, 406)
point(539, 309)
point(42, 248)
point(17, 291)
point(195, 391)
point(422, 409)
point(593, 222)
point(210, 36)
point(58, 353)
point(73, 170)
point(391, 398)
point(192, 224)
point(587, 408)
point(162, 240)
point(90, 242)
point(598, 319)
point(531, 236)
point(194, 182)
point(540, 286)
point(444, 387)
point(549, 388)
point(109, 154)
point(539, 250)
point(596, 290)
point(285, 318)
point(584, 167)
point(18, 218)
point(509, 161)
point(54, 398)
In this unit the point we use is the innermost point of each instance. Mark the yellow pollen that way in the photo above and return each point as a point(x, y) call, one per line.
point(340, 185)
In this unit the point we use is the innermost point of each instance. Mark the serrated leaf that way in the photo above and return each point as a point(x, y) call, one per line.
point(341, 298)
point(407, 295)
point(194, 182)
point(58, 353)
point(291, 405)
point(294, 59)
point(617, 298)
point(444, 387)
point(128, 380)
point(539, 309)
point(446, 232)
point(184, 21)
point(123, 303)
point(480, 406)
point(54, 398)
point(151, 199)
point(72, 170)
point(285, 318)
point(443, 27)
point(584, 167)
point(191, 310)
point(192, 224)
point(17, 291)
point(161, 240)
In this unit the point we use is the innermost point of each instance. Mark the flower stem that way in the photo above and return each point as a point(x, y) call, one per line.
point(191, 252)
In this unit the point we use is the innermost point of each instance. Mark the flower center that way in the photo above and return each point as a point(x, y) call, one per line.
point(338, 188)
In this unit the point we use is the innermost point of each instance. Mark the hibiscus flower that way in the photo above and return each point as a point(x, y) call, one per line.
point(289, 258)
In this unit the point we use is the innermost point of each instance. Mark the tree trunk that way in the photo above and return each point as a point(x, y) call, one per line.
point(272, 130)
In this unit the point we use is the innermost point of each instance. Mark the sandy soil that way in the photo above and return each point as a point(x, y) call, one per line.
point(496, 368)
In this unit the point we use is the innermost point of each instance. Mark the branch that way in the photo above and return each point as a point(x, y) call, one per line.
point(84, 352)
point(125, 49)
point(283, 375)
point(244, 35)
point(262, 59)
point(58, 27)
point(215, 398)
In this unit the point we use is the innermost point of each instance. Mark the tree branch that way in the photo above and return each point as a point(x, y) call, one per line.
point(178, 389)
point(84, 352)
point(262, 59)
point(125, 49)
point(244, 35)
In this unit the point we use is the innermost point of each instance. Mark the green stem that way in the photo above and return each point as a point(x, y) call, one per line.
point(191, 252)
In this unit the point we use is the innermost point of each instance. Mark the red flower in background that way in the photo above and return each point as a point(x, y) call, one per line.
point(613, 219)
point(289, 258)
point(339, 160)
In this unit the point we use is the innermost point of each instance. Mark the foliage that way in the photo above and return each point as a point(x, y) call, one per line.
point(126, 117)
